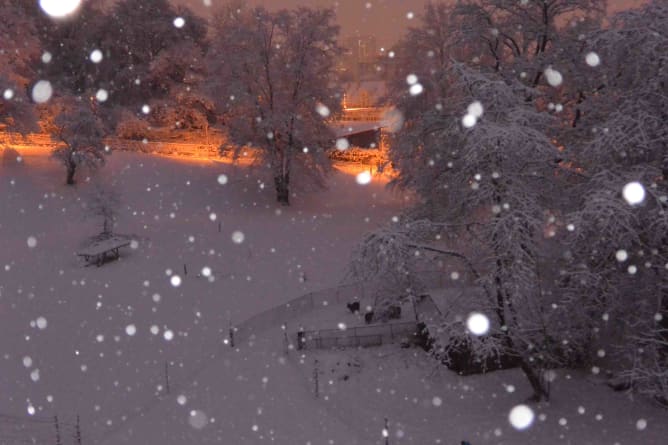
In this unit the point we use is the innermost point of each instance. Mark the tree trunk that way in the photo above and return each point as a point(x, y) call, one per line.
point(282, 183)
point(71, 169)
point(539, 391)
point(106, 226)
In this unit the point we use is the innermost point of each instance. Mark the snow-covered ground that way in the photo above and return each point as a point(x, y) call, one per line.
point(100, 337)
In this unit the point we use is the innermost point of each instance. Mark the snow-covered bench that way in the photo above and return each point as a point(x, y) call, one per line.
point(104, 250)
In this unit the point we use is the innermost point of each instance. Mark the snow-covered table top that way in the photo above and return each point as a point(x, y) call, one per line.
point(102, 246)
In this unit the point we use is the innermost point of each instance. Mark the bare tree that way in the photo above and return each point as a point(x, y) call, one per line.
point(274, 75)
point(103, 202)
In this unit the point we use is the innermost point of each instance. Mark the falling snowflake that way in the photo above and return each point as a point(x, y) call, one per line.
point(198, 419)
point(521, 417)
point(634, 193)
point(553, 77)
point(59, 8)
point(102, 95)
point(238, 237)
point(131, 330)
point(96, 56)
point(363, 178)
point(322, 110)
point(342, 144)
point(476, 109)
point(469, 121)
point(41, 323)
point(477, 323)
point(592, 59)
point(416, 89)
point(42, 91)
point(621, 255)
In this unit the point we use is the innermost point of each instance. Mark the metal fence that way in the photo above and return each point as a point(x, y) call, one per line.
point(362, 336)
point(299, 306)
point(283, 313)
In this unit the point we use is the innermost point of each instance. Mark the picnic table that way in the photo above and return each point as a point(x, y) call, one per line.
point(104, 250)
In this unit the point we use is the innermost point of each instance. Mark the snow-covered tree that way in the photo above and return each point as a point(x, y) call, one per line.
point(17, 113)
point(484, 165)
point(136, 54)
point(70, 45)
point(79, 135)
point(521, 37)
point(619, 158)
point(273, 73)
point(137, 37)
point(19, 37)
point(177, 76)
point(19, 49)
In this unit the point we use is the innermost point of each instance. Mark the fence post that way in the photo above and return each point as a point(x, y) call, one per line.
point(391, 333)
point(57, 425)
point(386, 432)
point(167, 377)
point(231, 333)
point(78, 432)
point(301, 339)
point(315, 378)
point(286, 341)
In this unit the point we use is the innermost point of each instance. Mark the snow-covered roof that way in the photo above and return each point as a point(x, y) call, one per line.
point(347, 128)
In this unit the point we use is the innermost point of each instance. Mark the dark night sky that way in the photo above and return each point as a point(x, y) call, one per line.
point(386, 19)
